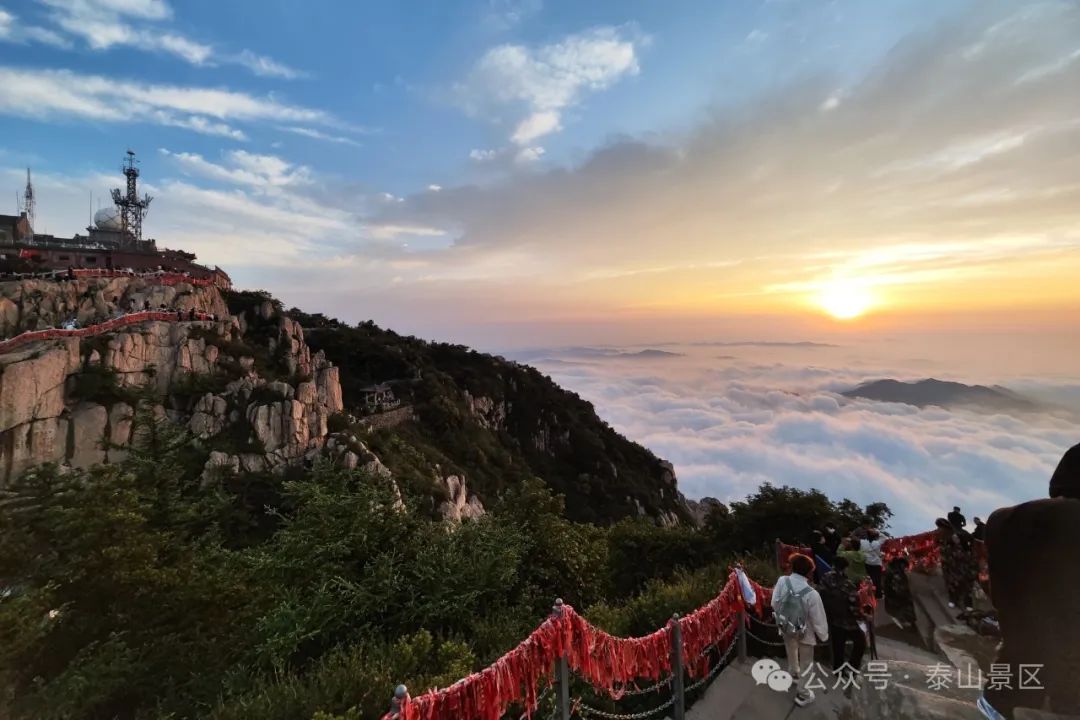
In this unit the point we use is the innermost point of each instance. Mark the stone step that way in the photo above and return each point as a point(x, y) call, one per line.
point(931, 605)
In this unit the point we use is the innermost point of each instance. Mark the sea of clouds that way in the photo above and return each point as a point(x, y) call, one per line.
point(733, 416)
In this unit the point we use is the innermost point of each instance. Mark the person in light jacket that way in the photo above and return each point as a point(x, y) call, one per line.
point(800, 648)
point(871, 549)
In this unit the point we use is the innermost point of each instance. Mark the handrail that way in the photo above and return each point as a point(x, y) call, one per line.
point(107, 326)
point(165, 276)
point(609, 663)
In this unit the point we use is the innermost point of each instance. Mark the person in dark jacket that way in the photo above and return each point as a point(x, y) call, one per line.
point(898, 602)
point(841, 599)
point(979, 533)
point(1036, 590)
point(832, 538)
point(959, 566)
point(956, 518)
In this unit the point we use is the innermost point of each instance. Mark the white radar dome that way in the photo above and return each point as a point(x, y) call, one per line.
point(107, 219)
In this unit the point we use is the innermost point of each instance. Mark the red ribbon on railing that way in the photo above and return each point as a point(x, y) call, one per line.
point(784, 553)
point(922, 550)
point(107, 326)
point(164, 277)
point(607, 662)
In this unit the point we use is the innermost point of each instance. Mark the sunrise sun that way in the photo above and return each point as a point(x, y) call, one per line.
point(845, 299)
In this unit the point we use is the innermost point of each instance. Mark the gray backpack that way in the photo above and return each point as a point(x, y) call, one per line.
point(790, 612)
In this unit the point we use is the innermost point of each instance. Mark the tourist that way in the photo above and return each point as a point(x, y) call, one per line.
point(191, 314)
point(802, 621)
point(840, 597)
point(856, 560)
point(957, 519)
point(898, 601)
point(1037, 595)
point(958, 563)
point(871, 549)
point(832, 538)
point(146, 306)
point(821, 547)
point(979, 532)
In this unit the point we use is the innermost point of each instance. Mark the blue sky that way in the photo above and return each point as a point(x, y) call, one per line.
point(387, 73)
point(453, 168)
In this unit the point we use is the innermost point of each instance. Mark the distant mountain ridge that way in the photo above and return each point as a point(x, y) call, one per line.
point(944, 393)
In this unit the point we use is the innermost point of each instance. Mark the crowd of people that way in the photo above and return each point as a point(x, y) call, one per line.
point(1032, 586)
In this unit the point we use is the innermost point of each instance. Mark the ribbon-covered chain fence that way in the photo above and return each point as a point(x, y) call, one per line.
point(569, 642)
point(107, 326)
point(608, 663)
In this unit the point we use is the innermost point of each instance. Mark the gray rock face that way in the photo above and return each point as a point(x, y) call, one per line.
point(461, 505)
point(490, 414)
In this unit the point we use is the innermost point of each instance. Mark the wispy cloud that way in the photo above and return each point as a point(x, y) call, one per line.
point(267, 67)
point(12, 30)
point(262, 173)
point(142, 24)
point(61, 94)
point(320, 135)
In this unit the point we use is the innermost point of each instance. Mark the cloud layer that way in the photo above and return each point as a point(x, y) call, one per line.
point(729, 425)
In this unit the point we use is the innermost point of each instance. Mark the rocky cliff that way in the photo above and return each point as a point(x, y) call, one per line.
point(248, 388)
point(39, 303)
point(255, 397)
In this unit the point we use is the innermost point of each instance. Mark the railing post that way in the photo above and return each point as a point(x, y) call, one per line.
point(562, 673)
point(741, 637)
point(679, 709)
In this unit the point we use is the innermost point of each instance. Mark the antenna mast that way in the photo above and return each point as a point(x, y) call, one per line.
point(132, 208)
point(29, 204)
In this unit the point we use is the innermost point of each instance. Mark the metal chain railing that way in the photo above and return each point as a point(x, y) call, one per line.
point(587, 711)
point(720, 665)
point(775, 643)
point(631, 692)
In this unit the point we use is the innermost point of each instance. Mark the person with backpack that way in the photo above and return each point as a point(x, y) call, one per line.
point(840, 597)
point(801, 619)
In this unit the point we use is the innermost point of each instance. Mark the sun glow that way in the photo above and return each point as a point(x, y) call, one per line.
point(845, 299)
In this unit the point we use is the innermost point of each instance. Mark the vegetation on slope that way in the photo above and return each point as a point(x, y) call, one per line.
point(134, 591)
point(547, 432)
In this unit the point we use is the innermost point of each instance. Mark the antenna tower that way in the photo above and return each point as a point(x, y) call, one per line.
point(132, 207)
point(29, 204)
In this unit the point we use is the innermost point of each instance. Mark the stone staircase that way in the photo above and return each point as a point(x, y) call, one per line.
point(905, 695)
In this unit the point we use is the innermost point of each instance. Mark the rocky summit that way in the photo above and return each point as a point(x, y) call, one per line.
point(257, 394)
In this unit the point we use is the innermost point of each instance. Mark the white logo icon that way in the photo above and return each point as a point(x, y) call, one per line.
point(767, 672)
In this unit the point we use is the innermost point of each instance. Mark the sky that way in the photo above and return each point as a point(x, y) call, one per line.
point(513, 172)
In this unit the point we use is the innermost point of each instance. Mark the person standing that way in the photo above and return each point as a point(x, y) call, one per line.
point(840, 597)
point(871, 549)
point(958, 564)
point(856, 560)
point(801, 618)
point(898, 602)
point(1036, 590)
point(957, 519)
point(832, 538)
